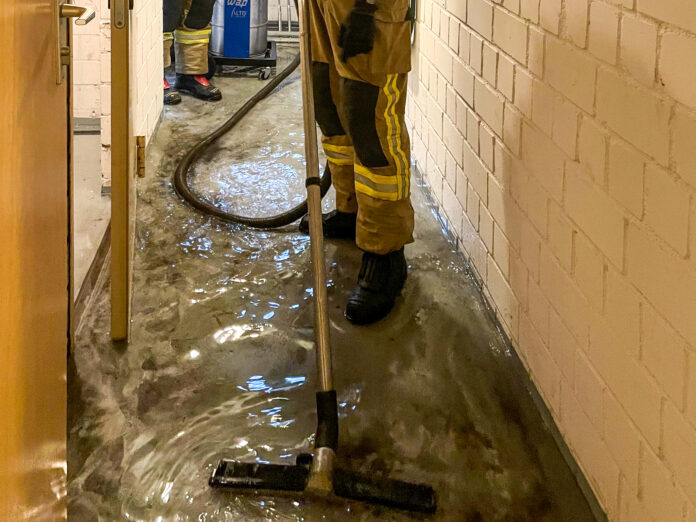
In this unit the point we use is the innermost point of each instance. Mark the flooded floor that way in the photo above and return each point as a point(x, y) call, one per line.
point(221, 361)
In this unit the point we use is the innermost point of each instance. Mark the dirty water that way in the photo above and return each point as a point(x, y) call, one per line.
point(221, 358)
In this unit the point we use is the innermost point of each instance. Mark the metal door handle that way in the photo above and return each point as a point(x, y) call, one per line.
point(83, 15)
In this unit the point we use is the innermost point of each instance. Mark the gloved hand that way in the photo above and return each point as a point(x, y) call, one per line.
point(357, 34)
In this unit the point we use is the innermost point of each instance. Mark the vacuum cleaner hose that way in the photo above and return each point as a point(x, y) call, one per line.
point(181, 182)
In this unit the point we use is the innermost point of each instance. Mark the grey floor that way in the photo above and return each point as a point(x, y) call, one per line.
point(92, 211)
point(221, 361)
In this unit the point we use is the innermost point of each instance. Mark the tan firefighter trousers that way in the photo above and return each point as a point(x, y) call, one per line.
point(360, 106)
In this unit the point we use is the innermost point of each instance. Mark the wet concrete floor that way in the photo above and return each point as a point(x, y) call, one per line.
point(221, 361)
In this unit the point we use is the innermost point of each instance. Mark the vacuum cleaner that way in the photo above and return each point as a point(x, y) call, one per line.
point(317, 475)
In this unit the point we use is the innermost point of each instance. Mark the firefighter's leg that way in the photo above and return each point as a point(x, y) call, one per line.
point(335, 141)
point(173, 12)
point(382, 162)
point(191, 41)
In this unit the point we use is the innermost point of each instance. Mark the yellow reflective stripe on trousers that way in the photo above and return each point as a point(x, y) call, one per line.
point(375, 185)
point(338, 154)
point(186, 37)
point(394, 141)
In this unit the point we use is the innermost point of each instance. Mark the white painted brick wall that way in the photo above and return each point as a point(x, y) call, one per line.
point(92, 71)
point(559, 137)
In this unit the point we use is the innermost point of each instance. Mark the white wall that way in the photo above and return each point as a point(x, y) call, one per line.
point(92, 71)
point(559, 137)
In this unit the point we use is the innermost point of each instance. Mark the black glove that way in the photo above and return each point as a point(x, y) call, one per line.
point(358, 30)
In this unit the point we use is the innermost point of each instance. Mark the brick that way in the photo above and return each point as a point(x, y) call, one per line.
point(486, 146)
point(543, 369)
point(683, 139)
point(664, 354)
point(490, 64)
point(597, 216)
point(529, 9)
point(544, 160)
point(457, 8)
point(562, 346)
point(576, 16)
point(474, 248)
point(632, 509)
point(510, 34)
point(502, 295)
point(523, 92)
point(501, 251)
point(588, 271)
point(679, 445)
point(451, 206)
point(678, 12)
point(626, 174)
point(604, 31)
point(511, 5)
point(678, 80)
point(536, 51)
point(589, 389)
point(550, 15)
point(592, 149)
point(454, 141)
point(472, 130)
point(519, 277)
point(476, 53)
point(453, 34)
point(601, 470)
point(571, 72)
point(635, 113)
point(472, 206)
point(623, 439)
point(529, 250)
point(538, 310)
point(486, 227)
point(630, 382)
point(565, 126)
point(638, 48)
point(622, 310)
point(464, 42)
point(506, 76)
point(489, 106)
point(537, 201)
point(560, 236)
point(512, 128)
point(667, 207)
point(443, 61)
point(480, 17)
point(461, 187)
point(564, 297)
point(543, 100)
point(664, 278)
point(660, 494)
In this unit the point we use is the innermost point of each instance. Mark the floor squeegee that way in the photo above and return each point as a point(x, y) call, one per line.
point(319, 474)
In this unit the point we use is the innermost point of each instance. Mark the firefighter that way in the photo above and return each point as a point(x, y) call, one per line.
point(187, 26)
point(361, 52)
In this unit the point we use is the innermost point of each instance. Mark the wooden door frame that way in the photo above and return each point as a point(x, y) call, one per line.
point(122, 168)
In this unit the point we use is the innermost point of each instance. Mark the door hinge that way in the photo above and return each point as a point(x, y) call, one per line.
point(140, 156)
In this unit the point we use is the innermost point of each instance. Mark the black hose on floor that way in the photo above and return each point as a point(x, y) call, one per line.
point(180, 178)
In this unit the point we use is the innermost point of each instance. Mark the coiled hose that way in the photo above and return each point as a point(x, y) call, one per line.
point(180, 178)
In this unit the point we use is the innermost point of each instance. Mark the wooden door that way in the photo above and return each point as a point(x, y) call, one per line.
point(35, 149)
point(122, 171)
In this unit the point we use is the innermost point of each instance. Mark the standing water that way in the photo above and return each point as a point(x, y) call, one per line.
point(221, 358)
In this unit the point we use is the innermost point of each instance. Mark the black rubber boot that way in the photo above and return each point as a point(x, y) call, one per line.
point(197, 86)
point(379, 284)
point(337, 225)
point(171, 97)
